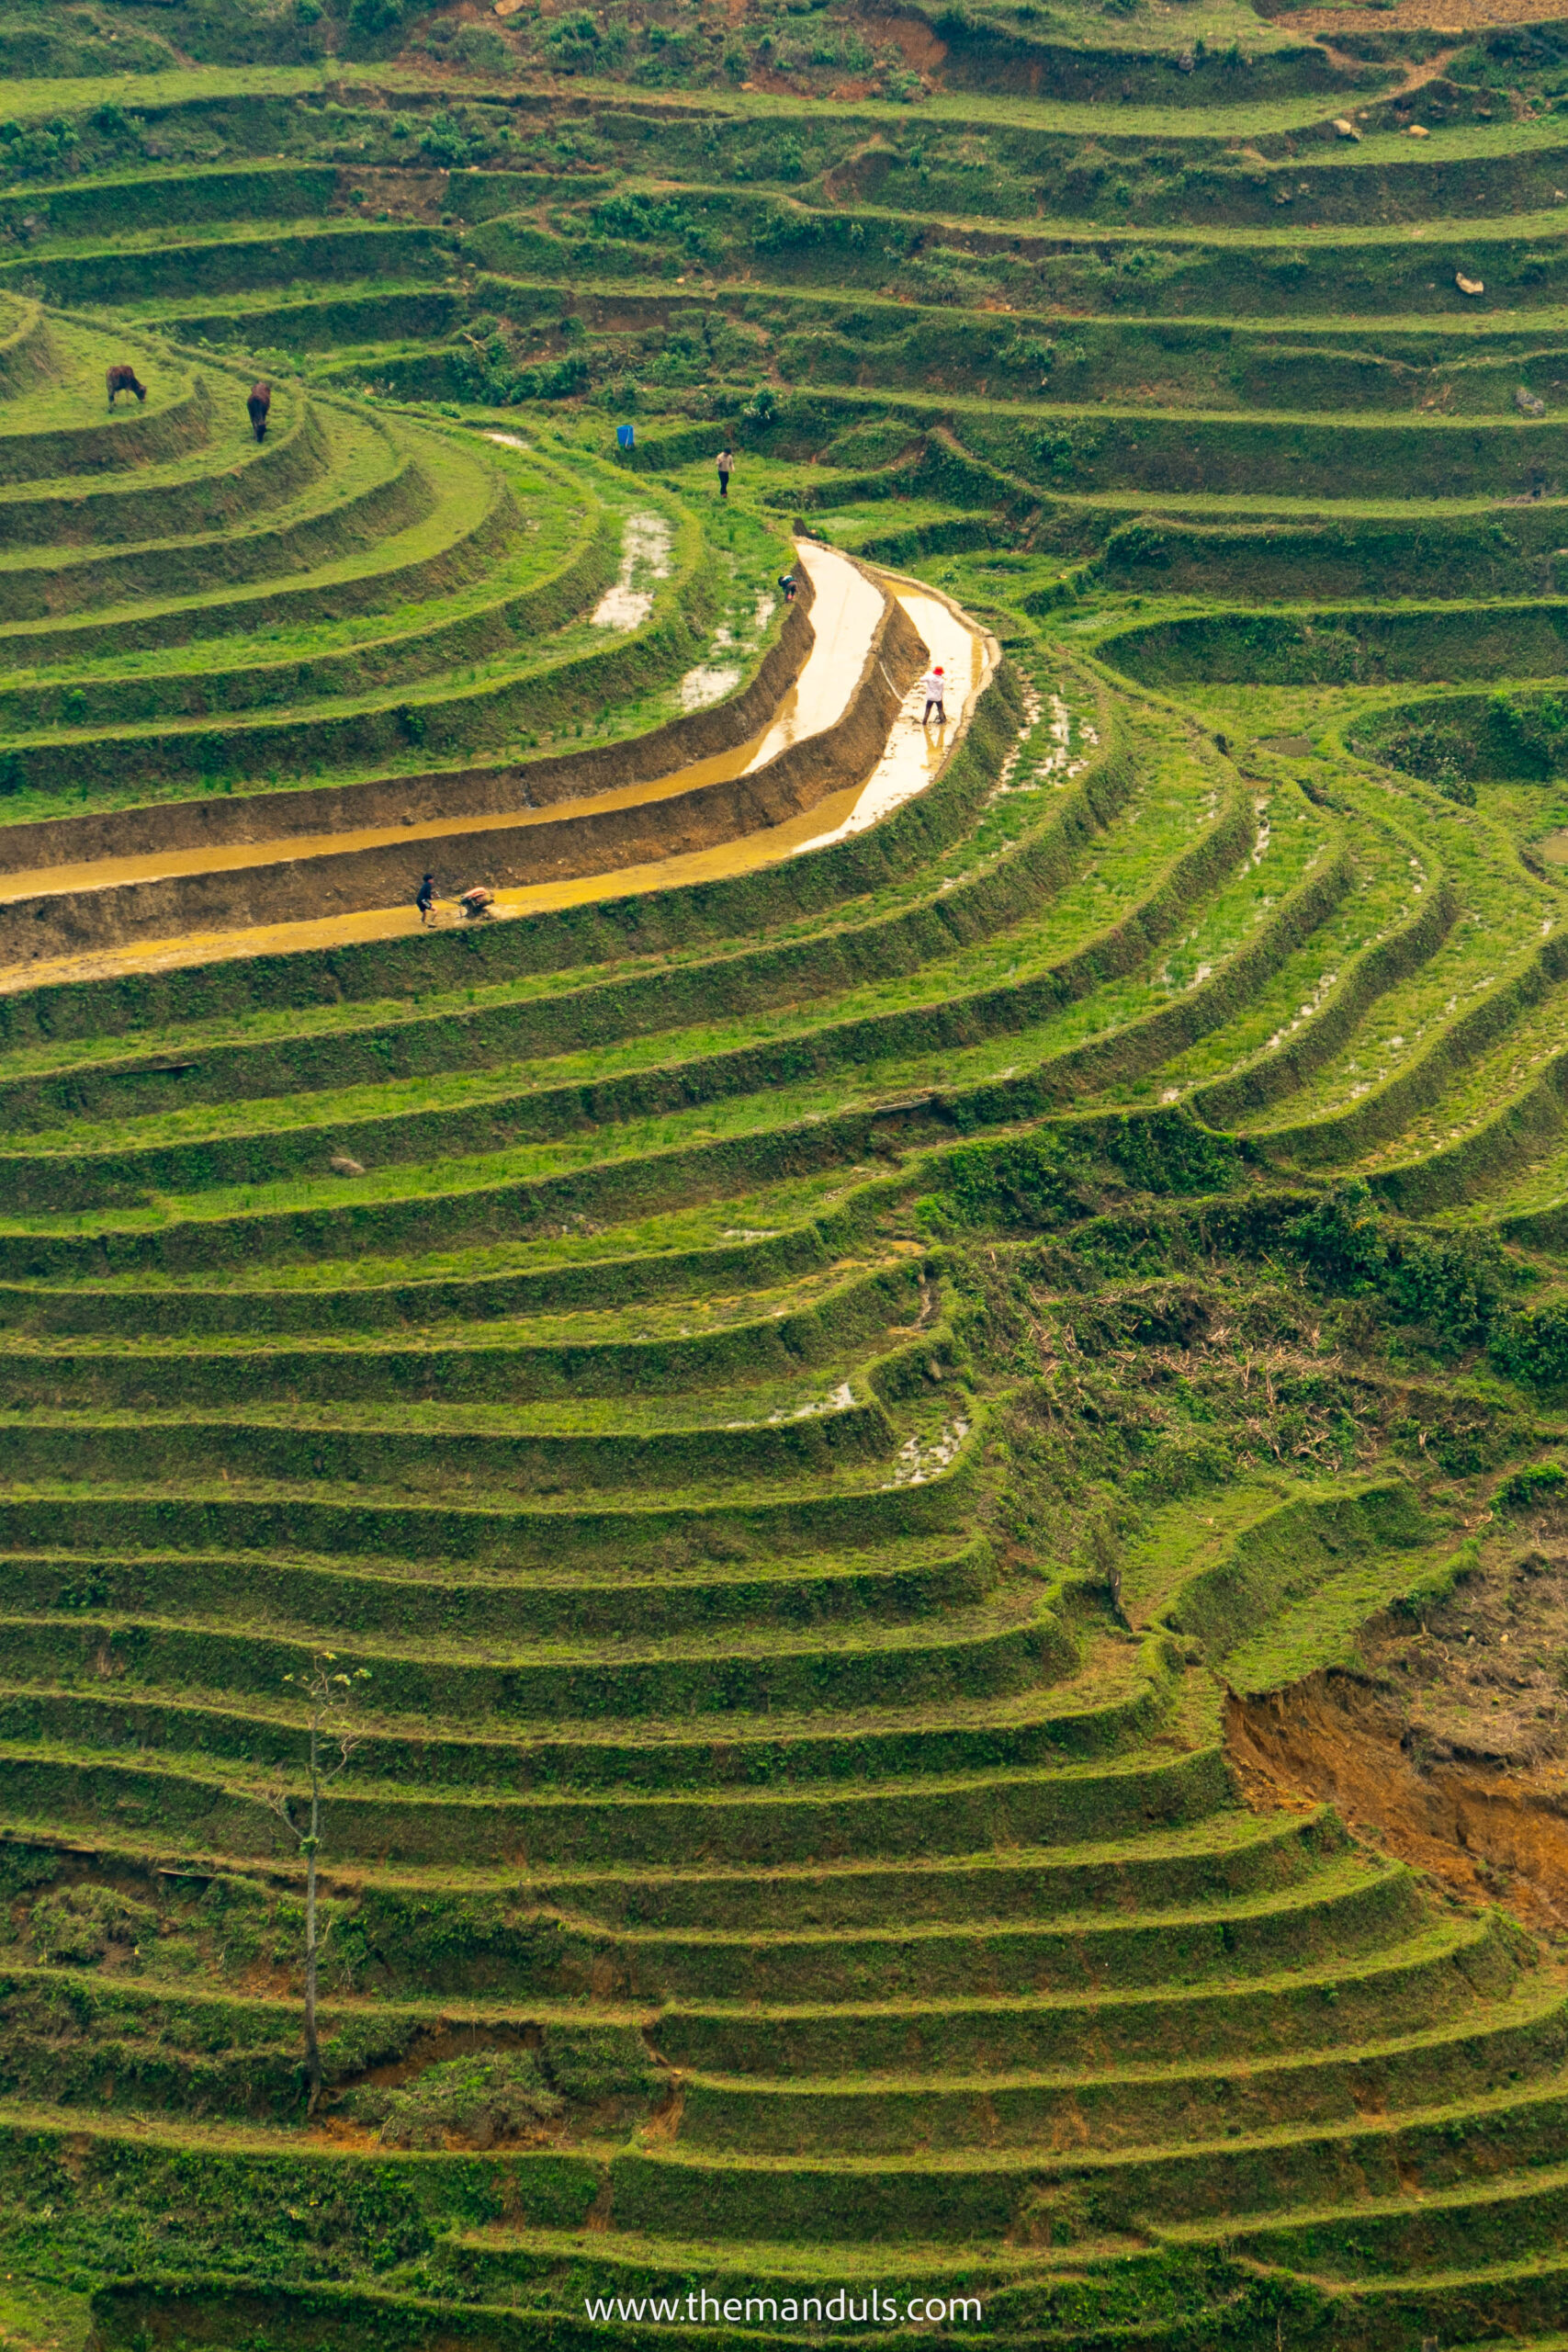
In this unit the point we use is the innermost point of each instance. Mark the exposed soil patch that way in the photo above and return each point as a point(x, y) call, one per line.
point(1486, 1670)
point(402, 196)
point(912, 37)
point(1452, 1747)
point(772, 85)
point(1434, 16)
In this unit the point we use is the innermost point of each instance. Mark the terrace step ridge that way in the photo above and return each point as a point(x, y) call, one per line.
point(942, 907)
point(1014, 1735)
point(1443, 1942)
point(1495, 2021)
point(1131, 1766)
point(1193, 1837)
point(975, 1627)
point(1306, 1895)
point(660, 1085)
point(359, 429)
point(1550, 2090)
point(1538, 2181)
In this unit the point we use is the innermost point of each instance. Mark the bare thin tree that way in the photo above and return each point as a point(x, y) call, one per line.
point(327, 1696)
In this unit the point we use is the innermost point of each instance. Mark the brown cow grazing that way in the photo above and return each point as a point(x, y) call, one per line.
point(122, 378)
point(259, 402)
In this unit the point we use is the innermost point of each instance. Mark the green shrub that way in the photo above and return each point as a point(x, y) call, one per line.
point(1532, 1346)
point(576, 44)
point(590, 2067)
point(1543, 1482)
point(36, 151)
point(1341, 1241)
point(556, 379)
point(1170, 1153)
point(477, 45)
point(375, 17)
point(672, 58)
point(1535, 731)
point(1453, 1286)
point(494, 2094)
point(1029, 1183)
point(77, 1925)
point(445, 140)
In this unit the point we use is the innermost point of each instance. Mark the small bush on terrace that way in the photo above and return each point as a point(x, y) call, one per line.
point(1341, 1242)
point(79, 1924)
point(1033, 1183)
point(1533, 1347)
point(1454, 1286)
point(494, 2094)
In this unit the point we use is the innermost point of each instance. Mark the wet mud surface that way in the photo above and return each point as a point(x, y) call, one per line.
point(846, 612)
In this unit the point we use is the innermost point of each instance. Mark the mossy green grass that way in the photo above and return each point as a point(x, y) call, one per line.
point(819, 1398)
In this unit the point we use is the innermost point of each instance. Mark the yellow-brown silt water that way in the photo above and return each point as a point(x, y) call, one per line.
point(845, 612)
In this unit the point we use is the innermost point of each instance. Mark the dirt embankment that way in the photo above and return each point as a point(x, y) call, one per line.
point(1449, 1747)
point(492, 786)
point(334, 873)
point(1488, 1833)
point(1456, 16)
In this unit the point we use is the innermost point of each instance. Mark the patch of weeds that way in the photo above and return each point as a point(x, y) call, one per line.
point(477, 2101)
point(78, 1925)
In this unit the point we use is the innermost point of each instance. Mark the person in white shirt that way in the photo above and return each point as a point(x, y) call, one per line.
point(933, 687)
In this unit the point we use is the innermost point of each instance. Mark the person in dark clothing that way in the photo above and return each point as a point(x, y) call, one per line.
point(789, 584)
point(424, 898)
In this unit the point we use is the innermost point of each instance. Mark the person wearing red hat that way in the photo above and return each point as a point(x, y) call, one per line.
point(933, 686)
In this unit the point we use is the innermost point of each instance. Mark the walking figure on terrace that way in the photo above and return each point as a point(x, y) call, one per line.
point(424, 899)
point(725, 464)
point(933, 686)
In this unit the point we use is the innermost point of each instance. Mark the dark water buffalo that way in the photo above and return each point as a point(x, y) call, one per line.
point(121, 378)
point(258, 402)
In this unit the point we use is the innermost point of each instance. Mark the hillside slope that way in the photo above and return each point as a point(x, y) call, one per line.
point(914, 1404)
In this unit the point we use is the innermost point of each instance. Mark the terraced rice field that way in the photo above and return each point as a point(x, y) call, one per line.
point(824, 1379)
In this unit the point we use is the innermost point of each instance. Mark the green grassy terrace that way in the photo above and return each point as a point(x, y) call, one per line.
point(834, 1394)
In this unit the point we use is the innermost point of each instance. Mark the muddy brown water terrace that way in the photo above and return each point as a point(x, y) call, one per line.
point(846, 609)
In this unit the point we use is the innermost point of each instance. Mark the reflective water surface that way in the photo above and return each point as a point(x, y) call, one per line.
point(844, 617)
